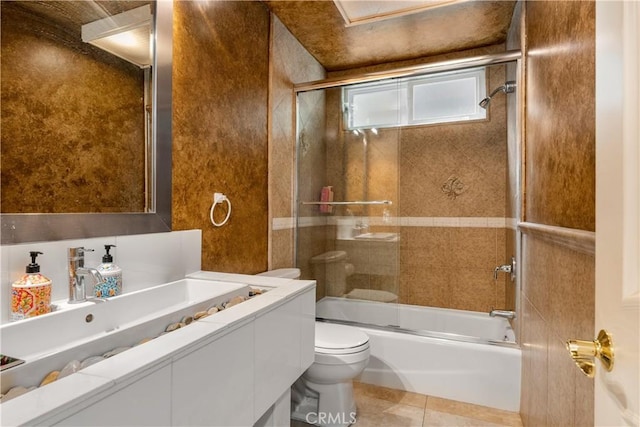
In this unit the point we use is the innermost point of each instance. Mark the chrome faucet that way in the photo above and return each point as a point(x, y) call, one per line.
point(507, 314)
point(77, 274)
point(506, 268)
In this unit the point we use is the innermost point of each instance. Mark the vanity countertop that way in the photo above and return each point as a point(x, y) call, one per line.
point(56, 400)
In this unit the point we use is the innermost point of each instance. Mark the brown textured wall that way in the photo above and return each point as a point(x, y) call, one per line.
point(72, 121)
point(220, 86)
point(560, 145)
point(558, 283)
point(320, 27)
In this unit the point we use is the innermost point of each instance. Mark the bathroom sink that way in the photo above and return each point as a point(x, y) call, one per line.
point(79, 331)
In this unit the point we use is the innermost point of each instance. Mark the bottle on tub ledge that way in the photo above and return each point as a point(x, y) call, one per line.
point(31, 294)
point(112, 275)
point(326, 195)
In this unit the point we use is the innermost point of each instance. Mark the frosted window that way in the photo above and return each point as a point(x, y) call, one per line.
point(438, 98)
point(377, 106)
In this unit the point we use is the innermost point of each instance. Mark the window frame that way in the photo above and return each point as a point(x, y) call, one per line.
point(405, 103)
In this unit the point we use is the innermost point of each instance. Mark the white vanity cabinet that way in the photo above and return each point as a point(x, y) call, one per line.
point(145, 401)
point(234, 368)
point(213, 385)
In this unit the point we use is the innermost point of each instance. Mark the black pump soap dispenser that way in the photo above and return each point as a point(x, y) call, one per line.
point(31, 294)
point(112, 275)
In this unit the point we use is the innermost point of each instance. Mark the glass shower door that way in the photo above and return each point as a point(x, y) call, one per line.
point(348, 237)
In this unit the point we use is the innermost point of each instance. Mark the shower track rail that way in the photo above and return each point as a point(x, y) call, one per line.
point(429, 68)
point(421, 333)
point(355, 202)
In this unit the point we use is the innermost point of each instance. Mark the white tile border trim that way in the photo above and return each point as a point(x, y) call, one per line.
point(283, 223)
point(407, 221)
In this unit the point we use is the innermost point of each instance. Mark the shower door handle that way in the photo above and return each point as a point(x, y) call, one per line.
point(585, 352)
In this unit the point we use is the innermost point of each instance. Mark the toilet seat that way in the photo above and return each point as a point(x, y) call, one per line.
point(339, 339)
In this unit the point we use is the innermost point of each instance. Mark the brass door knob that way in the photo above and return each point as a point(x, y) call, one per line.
point(585, 352)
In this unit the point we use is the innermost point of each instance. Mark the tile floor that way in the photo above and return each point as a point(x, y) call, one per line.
point(385, 407)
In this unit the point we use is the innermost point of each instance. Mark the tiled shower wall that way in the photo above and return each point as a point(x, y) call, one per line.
point(447, 263)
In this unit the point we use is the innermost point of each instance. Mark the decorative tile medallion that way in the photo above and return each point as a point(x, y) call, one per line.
point(453, 187)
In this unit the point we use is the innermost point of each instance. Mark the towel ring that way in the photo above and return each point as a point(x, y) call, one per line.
point(218, 198)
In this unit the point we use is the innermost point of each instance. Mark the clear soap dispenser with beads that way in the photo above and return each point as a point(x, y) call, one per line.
point(31, 294)
point(112, 275)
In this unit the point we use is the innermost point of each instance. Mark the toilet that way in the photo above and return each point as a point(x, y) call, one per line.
point(331, 270)
point(323, 395)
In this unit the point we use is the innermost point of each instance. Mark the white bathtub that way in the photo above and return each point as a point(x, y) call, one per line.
point(459, 355)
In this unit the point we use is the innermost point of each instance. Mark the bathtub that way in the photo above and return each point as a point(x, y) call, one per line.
point(458, 355)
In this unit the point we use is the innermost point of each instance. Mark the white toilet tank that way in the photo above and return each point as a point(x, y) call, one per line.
point(330, 270)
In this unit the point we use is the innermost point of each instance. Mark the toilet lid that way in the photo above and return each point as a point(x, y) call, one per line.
point(332, 338)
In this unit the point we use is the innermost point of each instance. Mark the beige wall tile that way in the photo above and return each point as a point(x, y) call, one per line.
point(426, 246)
point(562, 282)
point(572, 294)
point(282, 247)
point(474, 251)
point(537, 273)
point(561, 385)
point(584, 404)
point(538, 377)
point(473, 289)
point(426, 286)
point(475, 248)
point(526, 390)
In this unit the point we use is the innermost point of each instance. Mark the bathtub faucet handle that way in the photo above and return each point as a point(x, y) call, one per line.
point(506, 268)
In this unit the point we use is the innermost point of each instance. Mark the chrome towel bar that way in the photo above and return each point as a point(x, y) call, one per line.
point(355, 202)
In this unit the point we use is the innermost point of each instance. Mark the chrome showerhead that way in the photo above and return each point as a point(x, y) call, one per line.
point(485, 103)
point(508, 87)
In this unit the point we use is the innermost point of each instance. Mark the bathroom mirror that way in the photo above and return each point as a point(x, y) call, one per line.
point(155, 213)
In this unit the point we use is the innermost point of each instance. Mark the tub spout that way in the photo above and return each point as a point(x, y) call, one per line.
point(507, 314)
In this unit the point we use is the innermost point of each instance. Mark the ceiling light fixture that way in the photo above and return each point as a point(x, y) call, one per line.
point(126, 35)
point(357, 12)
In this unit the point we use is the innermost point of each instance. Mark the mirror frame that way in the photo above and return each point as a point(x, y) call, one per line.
point(22, 228)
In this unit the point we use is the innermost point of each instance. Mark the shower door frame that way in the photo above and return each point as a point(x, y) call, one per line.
point(510, 56)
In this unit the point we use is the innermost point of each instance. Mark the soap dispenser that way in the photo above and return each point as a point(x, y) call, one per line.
point(112, 275)
point(31, 294)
